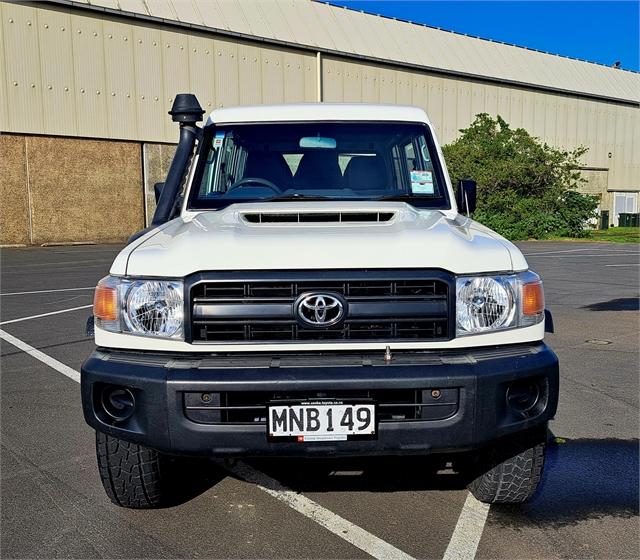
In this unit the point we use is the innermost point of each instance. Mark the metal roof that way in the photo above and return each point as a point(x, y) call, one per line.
point(319, 112)
point(338, 30)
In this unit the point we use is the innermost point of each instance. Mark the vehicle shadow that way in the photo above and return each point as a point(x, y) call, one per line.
point(618, 304)
point(582, 479)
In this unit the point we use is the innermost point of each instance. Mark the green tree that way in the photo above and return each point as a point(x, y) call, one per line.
point(526, 188)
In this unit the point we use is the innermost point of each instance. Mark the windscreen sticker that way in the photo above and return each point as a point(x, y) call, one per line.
point(421, 182)
point(217, 141)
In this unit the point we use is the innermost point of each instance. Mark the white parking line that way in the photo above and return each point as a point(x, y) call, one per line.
point(610, 249)
point(339, 526)
point(45, 314)
point(464, 541)
point(44, 358)
point(468, 532)
point(46, 291)
point(636, 264)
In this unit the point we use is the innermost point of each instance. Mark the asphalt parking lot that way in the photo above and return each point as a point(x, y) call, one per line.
point(53, 505)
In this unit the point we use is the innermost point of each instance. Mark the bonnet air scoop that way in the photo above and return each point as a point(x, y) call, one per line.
point(317, 217)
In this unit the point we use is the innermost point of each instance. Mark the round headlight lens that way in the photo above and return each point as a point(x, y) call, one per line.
point(484, 303)
point(155, 307)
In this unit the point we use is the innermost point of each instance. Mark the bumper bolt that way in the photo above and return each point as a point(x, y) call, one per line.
point(436, 394)
point(206, 397)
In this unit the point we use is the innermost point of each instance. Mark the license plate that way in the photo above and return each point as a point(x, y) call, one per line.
point(321, 421)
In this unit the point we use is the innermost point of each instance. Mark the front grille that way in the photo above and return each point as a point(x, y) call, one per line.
point(263, 310)
point(250, 407)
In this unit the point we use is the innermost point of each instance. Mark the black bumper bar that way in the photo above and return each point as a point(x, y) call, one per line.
point(481, 379)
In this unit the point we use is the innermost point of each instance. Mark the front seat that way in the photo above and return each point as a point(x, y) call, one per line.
point(319, 170)
point(270, 166)
point(366, 173)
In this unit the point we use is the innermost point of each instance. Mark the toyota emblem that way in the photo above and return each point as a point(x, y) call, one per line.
point(320, 310)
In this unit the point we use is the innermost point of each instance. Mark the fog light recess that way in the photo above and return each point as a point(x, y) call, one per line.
point(118, 402)
point(526, 398)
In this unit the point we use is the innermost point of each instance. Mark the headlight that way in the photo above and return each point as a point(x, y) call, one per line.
point(490, 303)
point(145, 307)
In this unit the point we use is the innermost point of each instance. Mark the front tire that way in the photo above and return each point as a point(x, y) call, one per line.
point(132, 475)
point(510, 476)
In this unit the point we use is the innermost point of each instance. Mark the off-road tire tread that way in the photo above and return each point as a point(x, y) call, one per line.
point(513, 480)
point(131, 474)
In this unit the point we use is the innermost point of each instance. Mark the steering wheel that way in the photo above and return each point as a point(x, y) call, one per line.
point(255, 180)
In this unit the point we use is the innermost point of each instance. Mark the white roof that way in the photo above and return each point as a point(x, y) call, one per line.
point(343, 31)
point(319, 112)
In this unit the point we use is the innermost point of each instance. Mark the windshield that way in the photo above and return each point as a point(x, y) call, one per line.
point(334, 161)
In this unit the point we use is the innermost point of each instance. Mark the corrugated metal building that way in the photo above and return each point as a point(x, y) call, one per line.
point(86, 85)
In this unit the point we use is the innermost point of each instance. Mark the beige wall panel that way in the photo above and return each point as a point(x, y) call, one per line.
point(340, 34)
point(464, 115)
point(561, 123)
point(404, 87)
point(540, 118)
point(478, 93)
point(528, 111)
point(201, 72)
point(332, 80)
point(305, 26)
point(149, 82)
point(420, 92)
point(449, 111)
point(370, 84)
point(24, 86)
point(272, 76)
point(100, 182)
point(504, 103)
point(352, 83)
point(14, 196)
point(310, 77)
point(550, 120)
point(293, 76)
point(122, 109)
point(491, 104)
point(175, 66)
point(249, 74)
point(572, 122)
point(226, 67)
point(516, 108)
point(89, 71)
point(435, 103)
point(387, 85)
point(56, 69)
point(4, 107)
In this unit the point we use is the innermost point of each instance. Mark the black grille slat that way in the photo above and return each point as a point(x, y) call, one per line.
point(431, 324)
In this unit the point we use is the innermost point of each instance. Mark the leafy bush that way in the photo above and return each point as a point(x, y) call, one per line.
point(526, 189)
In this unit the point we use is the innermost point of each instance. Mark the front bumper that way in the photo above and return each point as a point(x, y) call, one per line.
point(162, 385)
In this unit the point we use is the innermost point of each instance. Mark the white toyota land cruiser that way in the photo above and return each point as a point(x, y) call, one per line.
point(311, 286)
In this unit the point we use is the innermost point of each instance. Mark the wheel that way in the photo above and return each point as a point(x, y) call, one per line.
point(132, 475)
point(510, 475)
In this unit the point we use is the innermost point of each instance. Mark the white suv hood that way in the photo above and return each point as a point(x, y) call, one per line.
point(225, 240)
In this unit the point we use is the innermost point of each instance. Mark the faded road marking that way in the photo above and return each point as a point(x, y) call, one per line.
point(45, 314)
point(468, 531)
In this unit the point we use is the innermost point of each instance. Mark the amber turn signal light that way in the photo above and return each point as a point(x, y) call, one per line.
point(532, 298)
point(105, 303)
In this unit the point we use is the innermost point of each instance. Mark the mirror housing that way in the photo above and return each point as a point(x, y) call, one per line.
point(466, 195)
point(157, 190)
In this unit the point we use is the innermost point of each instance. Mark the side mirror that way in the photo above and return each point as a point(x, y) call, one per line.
point(466, 195)
point(157, 189)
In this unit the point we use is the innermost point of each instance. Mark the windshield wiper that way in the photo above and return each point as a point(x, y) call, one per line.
point(297, 196)
point(397, 197)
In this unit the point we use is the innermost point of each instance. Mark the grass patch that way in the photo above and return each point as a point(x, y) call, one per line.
point(618, 235)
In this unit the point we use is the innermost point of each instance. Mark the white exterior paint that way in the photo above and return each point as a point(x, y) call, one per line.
point(304, 112)
point(224, 240)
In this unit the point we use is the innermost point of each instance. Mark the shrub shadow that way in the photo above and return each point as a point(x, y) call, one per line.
point(619, 304)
